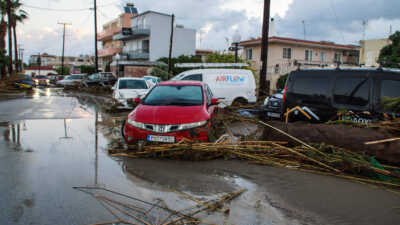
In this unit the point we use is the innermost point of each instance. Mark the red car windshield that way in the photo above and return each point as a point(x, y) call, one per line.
point(175, 95)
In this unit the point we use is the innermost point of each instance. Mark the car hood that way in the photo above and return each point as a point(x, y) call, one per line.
point(132, 93)
point(168, 114)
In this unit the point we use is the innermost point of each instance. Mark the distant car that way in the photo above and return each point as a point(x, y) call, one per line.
point(128, 88)
point(26, 82)
point(100, 79)
point(170, 112)
point(41, 80)
point(154, 80)
point(74, 79)
point(273, 105)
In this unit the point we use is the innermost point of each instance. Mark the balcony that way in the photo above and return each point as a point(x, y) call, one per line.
point(133, 33)
point(109, 52)
point(108, 33)
point(137, 54)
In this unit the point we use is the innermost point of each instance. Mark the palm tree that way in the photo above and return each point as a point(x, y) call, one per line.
point(17, 17)
point(3, 33)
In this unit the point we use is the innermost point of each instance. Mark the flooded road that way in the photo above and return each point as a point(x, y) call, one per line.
point(51, 142)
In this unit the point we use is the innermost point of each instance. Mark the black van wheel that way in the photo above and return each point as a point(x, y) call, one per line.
point(239, 102)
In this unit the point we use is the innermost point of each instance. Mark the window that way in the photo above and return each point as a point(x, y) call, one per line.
point(323, 57)
point(196, 77)
point(312, 86)
point(338, 57)
point(209, 95)
point(132, 84)
point(249, 53)
point(351, 91)
point(287, 53)
point(308, 55)
point(390, 89)
point(175, 95)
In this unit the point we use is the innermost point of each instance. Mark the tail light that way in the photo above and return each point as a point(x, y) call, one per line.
point(284, 94)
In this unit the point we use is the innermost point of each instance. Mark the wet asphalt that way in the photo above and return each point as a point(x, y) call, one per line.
point(50, 142)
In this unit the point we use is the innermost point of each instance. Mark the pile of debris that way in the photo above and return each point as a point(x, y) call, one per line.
point(130, 210)
point(98, 90)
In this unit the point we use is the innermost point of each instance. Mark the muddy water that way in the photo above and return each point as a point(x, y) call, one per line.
point(42, 159)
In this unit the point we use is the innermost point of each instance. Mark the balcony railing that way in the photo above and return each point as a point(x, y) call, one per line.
point(108, 33)
point(133, 33)
point(137, 54)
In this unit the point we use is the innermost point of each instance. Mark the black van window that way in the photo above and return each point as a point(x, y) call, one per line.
point(390, 88)
point(351, 91)
point(197, 77)
point(314, 86)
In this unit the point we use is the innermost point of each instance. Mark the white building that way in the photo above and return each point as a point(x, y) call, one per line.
point(148, 39)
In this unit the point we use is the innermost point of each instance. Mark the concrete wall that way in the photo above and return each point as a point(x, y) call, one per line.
point(370, 50)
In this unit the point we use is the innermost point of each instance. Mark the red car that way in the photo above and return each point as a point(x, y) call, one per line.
point(171, 111)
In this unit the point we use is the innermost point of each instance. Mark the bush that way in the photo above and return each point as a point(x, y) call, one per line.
point(281, 82)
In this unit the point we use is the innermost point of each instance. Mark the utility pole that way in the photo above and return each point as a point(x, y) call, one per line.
point(96, 57)
point(304, 29)
point(262, 92)
point(171, 39)
point(63, 47)
point(39, 62)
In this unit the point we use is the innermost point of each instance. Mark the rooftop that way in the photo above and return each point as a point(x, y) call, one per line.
point(326, 44)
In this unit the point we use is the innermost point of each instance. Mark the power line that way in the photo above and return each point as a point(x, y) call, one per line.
point(67, 10)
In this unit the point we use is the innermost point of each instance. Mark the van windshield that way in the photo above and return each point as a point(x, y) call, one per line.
point(175, 95)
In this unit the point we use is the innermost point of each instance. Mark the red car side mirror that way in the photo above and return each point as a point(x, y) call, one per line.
point(214, 101)
point(137, 100)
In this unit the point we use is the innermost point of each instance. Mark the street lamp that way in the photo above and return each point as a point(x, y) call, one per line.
point(235, 40)
point(117, 58)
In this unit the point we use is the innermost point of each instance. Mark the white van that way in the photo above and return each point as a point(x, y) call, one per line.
point(231, 86)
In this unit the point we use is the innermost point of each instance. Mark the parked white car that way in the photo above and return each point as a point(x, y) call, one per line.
point(128, 88)
point(71, 80)
point(231, 86)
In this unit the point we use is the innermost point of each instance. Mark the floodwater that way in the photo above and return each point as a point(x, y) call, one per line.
point(50, 143)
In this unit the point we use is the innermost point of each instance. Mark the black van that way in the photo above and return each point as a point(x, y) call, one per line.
point(325, 91)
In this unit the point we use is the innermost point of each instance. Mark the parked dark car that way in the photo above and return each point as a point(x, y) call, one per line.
point(100, 79)
point(325, 91)
point(273, 105)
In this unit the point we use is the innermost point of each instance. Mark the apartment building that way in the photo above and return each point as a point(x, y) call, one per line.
point(112, 47)
point(148, 39)
point(45, 59)
point(284, 54)
point(370, 50)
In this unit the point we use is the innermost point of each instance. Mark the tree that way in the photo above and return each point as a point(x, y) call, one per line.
point(281, 82)
point(18, 16)
point(65, 72)
point(390, 54)
point(222, 58)
point(88, 69)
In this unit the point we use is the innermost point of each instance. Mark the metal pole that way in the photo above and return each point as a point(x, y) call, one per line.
point(10, 65)
point(263, 90)
point(39, 62)
point(96, 57)
point(236, 52)
point(63, 47)
point(170, 46)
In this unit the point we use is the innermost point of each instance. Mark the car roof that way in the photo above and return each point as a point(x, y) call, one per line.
point(130, 78)
point(354, 69)
point(180, 82)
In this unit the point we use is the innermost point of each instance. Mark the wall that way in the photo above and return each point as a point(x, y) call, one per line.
point(370, 50)
point(136, 71)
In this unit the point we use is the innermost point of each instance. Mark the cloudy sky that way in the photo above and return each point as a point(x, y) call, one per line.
point(215, 20)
